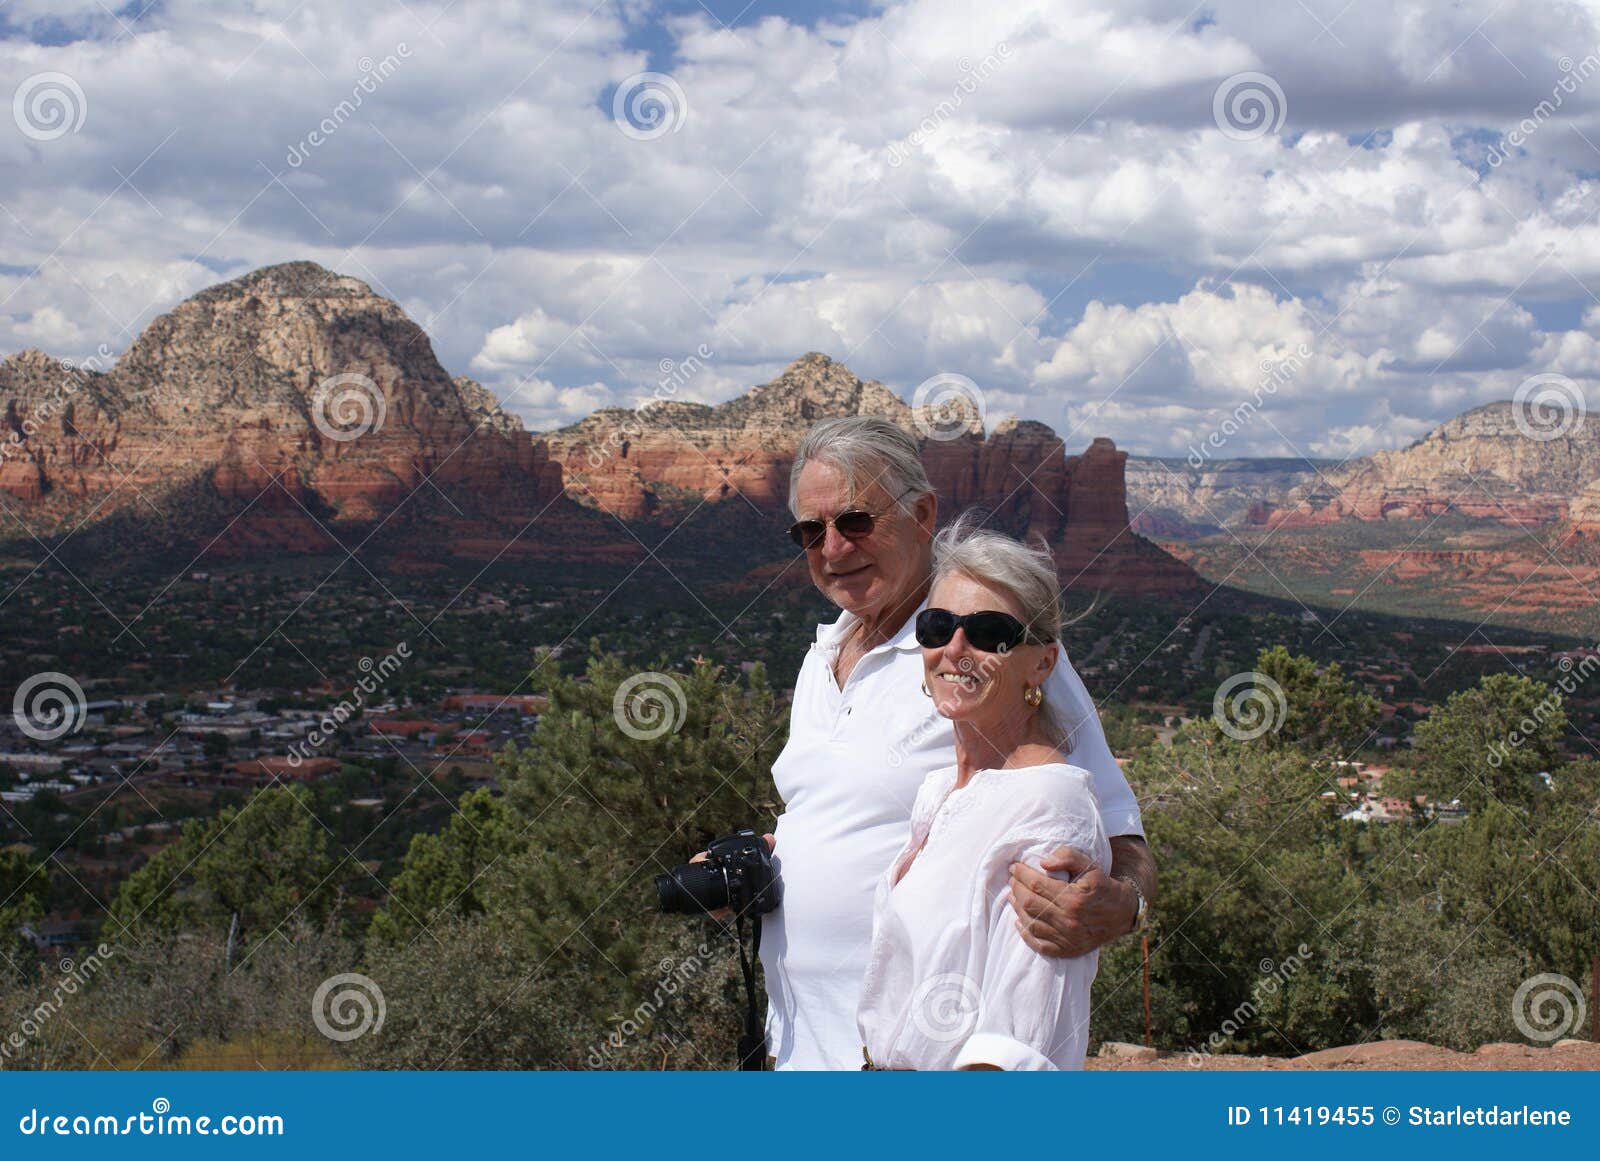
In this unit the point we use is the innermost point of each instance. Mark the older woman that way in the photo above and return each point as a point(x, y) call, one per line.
point(949, 981)
point(859, 748)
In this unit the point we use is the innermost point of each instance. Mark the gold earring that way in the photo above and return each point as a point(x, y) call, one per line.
point(1034, 696)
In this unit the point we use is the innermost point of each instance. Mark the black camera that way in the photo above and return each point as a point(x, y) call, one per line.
point(737, 874)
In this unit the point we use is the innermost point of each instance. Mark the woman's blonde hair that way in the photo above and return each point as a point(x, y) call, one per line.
point(1025, 571)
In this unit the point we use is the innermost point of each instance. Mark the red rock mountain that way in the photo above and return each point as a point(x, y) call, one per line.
point(290, 404)
point(1479, 464)
point(672, 455)
point(293, 409)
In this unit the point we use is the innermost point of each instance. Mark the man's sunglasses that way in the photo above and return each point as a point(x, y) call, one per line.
point(990, 631)
point(852, 523)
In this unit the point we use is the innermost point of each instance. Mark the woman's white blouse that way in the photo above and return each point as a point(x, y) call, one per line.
point(849, 776)
point(949, 980)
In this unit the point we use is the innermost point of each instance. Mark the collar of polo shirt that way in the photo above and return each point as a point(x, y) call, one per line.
point(829, 636)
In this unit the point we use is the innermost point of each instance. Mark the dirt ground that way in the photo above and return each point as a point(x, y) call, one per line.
point(1379, 1055)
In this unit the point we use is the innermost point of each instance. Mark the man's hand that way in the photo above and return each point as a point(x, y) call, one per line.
point(1065, 919)
point(727, 912)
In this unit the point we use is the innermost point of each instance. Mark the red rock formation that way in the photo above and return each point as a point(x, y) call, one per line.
point(221, 411)
point(1480, 464)
point(233, 400)
point(670, 456)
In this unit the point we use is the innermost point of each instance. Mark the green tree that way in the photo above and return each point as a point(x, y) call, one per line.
point(267, 861)
point(1325, 713)
point(441, 873)
point(1492, 742)
point(1254, 866)
point(24, 888)
point(626, 775)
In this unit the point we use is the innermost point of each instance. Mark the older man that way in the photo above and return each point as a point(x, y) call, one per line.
point(862, 738)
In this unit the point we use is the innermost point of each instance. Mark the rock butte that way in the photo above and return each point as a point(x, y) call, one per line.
point(1480, 464)
point(216, 408)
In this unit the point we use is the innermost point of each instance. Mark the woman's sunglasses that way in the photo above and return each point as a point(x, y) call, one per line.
point(852, 523)
point(990, 631)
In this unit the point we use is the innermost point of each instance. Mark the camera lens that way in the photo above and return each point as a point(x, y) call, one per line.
point(692, 889)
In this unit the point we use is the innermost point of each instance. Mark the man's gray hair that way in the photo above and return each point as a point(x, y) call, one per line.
point(865, 449)
point(1026, 571)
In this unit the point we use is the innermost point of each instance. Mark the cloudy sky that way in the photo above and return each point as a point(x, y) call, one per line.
point(1119, 218)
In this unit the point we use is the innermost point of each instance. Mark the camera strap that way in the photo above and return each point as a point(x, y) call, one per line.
point(753, 1044)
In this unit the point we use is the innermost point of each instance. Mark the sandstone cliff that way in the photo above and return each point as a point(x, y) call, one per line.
point(670, 456)
point(1479, 464)
point(294, 410)
point(292, 401)
point(1171, 499)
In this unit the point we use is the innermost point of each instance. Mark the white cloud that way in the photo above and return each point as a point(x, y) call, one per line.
point(1061, 220)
